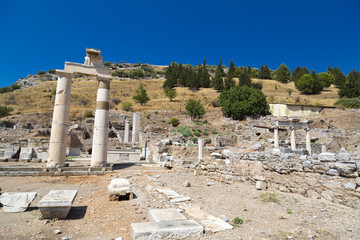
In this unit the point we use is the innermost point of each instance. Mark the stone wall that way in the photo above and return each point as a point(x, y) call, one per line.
point(334, 177)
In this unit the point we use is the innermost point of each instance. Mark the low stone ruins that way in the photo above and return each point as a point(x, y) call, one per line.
point(57, 204)
point(120, 188)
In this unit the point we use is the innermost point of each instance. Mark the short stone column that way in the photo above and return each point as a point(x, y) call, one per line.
point(292, 139)
point(101, 123)
point(200, 149)
point(276, 137)
point(136, 128)
point(127, 130)
point(60, 122)
point(308, 140)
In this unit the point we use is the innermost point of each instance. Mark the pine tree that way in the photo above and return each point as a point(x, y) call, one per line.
point(171, 75)
point(229, 81)
point(204, 76)
point(218, 79)
point(244, 79)
point(282, 74)
point(298, 73)
point(351, 87)
point(264, 72)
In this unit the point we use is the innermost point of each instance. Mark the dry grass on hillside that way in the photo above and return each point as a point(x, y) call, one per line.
point(39, 99)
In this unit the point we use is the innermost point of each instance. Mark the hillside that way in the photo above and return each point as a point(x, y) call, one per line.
point(40, 98)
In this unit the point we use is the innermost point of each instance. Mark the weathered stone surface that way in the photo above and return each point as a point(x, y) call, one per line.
point(346, 169)
point(119, 186)
point(260, 185)
point(180, 229)
point(350, 185)
point(57, 203)
point(168, 214)
point(180, 199)
point(327, 157)
point(17, 201)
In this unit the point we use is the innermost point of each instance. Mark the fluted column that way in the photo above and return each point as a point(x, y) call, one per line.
point(60, 122)
point(136, 127)
point(127, 130)
point(308, 140)
point(101, 123)
point(292, 139)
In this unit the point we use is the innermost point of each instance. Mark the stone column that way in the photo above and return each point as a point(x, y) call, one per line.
point(292, 139)
point(136, 128)
point(200, 149)
point(308, 140)
point(276, 135)
point(101, 123)
point(59, 127)
point(127, 129)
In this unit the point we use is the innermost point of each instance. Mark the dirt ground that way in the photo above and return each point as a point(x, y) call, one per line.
point(93, 216)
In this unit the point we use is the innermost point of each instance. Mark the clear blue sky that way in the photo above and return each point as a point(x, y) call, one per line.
point(41, 35)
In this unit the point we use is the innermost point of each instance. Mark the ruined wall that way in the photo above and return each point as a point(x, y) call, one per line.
point(330, 176)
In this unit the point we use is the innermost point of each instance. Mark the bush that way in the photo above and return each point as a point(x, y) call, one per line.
point(194, 139)
point(52, 71)
point(116, 101)
point(5, 89)
point(88, 114)
point(170, 93)
point(238, 220)
point(348, 102)
point(41, 72)
point(84, 101)
point(214, 132)
point(174, 121)
point(5, 111)
point(107, 64)
point(205, 133)
point(215, 103)
point(15, 87)
point(185, 132)
point(197, 133)
point(207, 140)
point(194, 109)
point(308, 84)
point(243, 101)
point(127, 106)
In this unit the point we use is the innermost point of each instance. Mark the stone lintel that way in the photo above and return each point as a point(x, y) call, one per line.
point(64, 73)
point(93, 51)
point(89, 70)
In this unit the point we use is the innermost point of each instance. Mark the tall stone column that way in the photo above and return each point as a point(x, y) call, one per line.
point(308, 140)
point(276, 137)
point(292, 139)
point(200, 149)
point(101, 123)
point(127, 130)
point(60, 122)
point(136, 128)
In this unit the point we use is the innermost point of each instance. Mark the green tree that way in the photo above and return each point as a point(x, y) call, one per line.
point(325, 79)
point(171, 75)
point(244, 79)
point(194, 109)
point(218, 83)
point(308, 84)
point(141, 95)
point(339, 77)
point(229, 80)
point(204, 76)
point(264, 72)
point(170, 93)
point(351, 87)
point(289, 91)
point(242, 101)
point(282, 73)
point(5, 111)
point(298, 72)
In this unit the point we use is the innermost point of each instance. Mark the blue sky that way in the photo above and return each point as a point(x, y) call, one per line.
point(41, 35)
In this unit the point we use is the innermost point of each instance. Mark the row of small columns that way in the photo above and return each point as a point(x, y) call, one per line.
point(60, 123)
point(292, 138)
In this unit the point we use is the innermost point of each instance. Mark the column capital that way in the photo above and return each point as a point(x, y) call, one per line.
point(64, 73)
point(102, 77)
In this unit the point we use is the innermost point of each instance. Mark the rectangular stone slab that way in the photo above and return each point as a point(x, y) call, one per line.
point(57, 203)
point(180, 199)
point(181, 229)
point(17, 201)
point(168, 214)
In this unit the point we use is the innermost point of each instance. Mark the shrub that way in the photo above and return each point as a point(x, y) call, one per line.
point(127, 106)
point(214, 132)
point(348, 102)
point(137, 73)
point(269, 197)
point(156, 112)
point(5, 111)
point(41, 72)
point(5, 89)
point(215, 103)
point(88, 114)
point(289, 91)
point(174, 121)
point(84, 101)
point(308, 84)
point(15, 86)
point(107, 64)
point(207, 140)
point(170, 93)
point(205, 133)
point(185, 132)
point(242, 101)
point(52, 71)
point(194, 109)
point(116, 100)
point(197, 133)
point(238, 220)
point(194, 139)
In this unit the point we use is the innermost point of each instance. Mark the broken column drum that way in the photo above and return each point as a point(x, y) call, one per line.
point(136, 127)
point(127, 130)
point(292, 139)
point(201, 149)
point(57, 148)
point(101, 123)
point(308, 140)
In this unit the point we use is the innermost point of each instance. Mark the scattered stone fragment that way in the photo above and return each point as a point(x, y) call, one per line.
point(120, 187)
point(186, 184)
point(57, 231)
point(17, 201)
